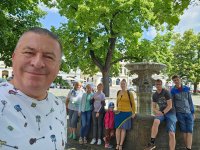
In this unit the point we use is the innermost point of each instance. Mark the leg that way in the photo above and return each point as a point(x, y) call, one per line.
point(107, 136)
point(185, 138)
point(189, 140)
point(70, 123)
point(123, 135)
point(118, 135)
point(88, 123)
point(172, 140)
point(94, 121)
point(74, 123)
point(154, 129)
point(100, 125)
point(189, 130)
point(83, 124)
point(171, 128)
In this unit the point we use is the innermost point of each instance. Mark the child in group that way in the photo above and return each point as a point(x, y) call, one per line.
point(109, 125)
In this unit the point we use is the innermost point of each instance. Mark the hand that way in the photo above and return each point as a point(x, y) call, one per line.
point(194, 116)
point(97, 115)
point(159, 113)
point(133, 116)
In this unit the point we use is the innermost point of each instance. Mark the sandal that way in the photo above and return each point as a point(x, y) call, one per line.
point(120, 147)
point(117, 147)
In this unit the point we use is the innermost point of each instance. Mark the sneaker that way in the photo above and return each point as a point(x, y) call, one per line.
point(70, 136)
point(99, 142)
point(108, 146)
point(93, 141)
point(150, 146)
point(80, 140)
point(74, 136)
point(85, 140)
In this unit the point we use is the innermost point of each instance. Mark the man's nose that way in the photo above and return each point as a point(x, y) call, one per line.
point(38, 61)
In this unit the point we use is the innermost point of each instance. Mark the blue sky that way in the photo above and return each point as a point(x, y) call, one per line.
point(189, 20)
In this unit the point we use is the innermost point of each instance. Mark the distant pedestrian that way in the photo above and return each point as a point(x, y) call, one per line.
point(98, 114)
point(109, 125)
point(86, 111)
point(73, 105)
point(184, 109)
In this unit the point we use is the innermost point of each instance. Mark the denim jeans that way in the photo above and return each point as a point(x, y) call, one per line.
point(186, 122)
point(85, 123)
point(170, 119)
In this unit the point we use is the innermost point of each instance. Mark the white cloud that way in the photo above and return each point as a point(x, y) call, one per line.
point(189, 20)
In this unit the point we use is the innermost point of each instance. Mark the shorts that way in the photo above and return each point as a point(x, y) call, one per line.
point(73, 118)
point(170, 119)
point(186, 122)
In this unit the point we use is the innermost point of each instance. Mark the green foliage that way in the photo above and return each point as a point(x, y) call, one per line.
point(62, 83)
point(15, 18)
point(100, 33)
point(186, 51)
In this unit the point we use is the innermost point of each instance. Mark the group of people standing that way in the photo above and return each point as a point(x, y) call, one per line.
point(174, 105)
point(89, 105)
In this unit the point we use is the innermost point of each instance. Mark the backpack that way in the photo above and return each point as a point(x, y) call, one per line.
point(128, 97)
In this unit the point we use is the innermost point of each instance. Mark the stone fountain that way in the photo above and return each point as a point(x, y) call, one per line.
point(145, 83)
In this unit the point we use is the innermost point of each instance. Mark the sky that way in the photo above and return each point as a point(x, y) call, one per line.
point(189, 20)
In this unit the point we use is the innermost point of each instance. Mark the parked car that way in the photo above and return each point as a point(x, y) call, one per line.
point(53, 85)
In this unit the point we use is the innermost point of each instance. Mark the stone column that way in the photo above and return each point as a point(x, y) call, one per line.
point(145, 85)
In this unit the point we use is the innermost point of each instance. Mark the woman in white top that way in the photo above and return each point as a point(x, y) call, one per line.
point(73, 105)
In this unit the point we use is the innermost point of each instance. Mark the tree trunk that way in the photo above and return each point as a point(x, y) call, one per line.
point(195, 87)
point(106, 90)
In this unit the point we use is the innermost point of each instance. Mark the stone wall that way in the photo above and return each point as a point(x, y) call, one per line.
point(138, 137)
point(140, 134)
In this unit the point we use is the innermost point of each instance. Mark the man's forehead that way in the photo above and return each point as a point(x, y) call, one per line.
point(27, 38)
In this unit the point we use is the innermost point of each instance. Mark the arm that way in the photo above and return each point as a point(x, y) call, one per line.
point(191, 103)
point(106, 120)
point(169, 106)
point(81, 102)
point(133, 103)
point(103, 103)
point(155, 109)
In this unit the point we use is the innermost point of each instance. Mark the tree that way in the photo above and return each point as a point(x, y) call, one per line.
point(16, 17)
point(186, 51)
point(100, 33)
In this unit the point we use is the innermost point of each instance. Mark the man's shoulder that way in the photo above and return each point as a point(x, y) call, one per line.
point(4, 87)
point(186, 88)
point(165, 91)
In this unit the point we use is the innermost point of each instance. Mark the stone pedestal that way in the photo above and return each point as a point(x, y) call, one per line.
point(145, 83)
point(144, 103)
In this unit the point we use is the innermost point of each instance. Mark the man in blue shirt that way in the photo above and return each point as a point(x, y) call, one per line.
point(184, 109)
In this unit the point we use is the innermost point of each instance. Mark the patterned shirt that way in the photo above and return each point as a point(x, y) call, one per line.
point(75, 99)
point(29, 124)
